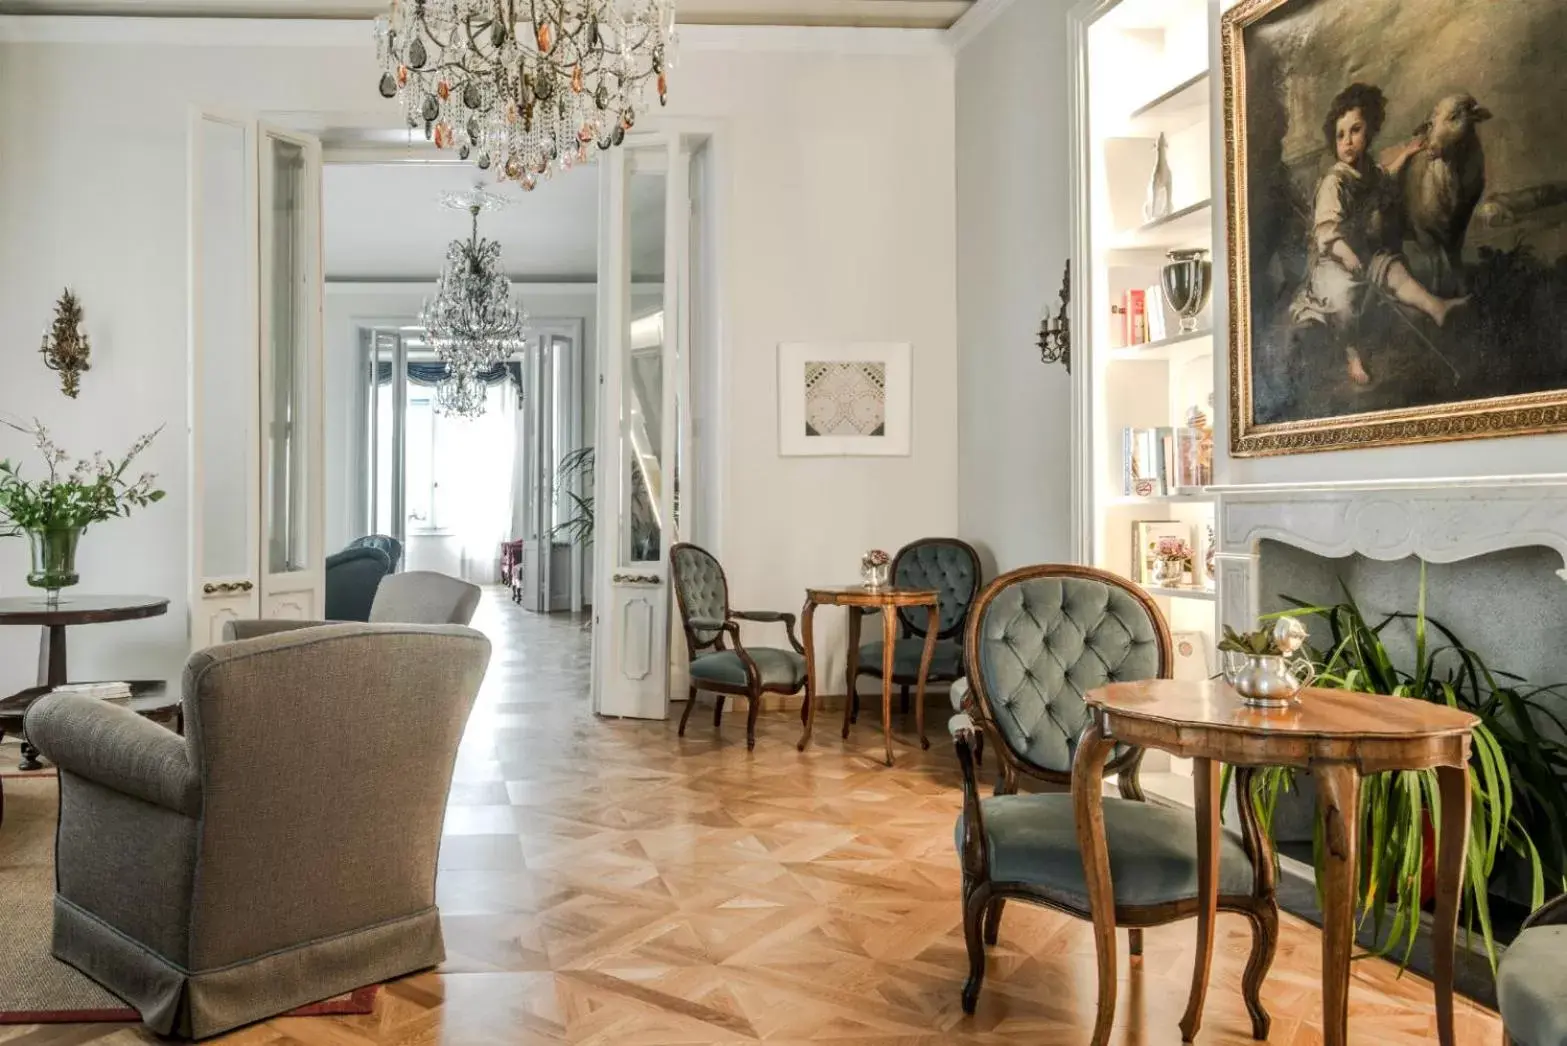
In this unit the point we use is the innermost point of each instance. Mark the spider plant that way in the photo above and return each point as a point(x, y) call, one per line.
point(573, 475)
point(1517, 775)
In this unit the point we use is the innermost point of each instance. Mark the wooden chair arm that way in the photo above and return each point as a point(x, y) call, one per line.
point(772, 617)
point(976, 847)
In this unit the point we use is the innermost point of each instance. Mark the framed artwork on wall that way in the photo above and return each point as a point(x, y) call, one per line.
point(846, 400)
point(1397, 224)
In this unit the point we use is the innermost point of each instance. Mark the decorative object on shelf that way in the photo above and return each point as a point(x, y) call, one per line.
point(1150, 462)
point(1172, 562)
point(1055, 333)
point(1147, 537)
point(1160, 192)
point(54, 511)
point(66, 348)
point(1520, 795)
point(1191, 656)
point(1187, 279)
point(844, 400)
point(525, 89)
point(875, 567)
point(1194, 452)
point(1402, 286)
point(1209, 546)
point(1261, 665)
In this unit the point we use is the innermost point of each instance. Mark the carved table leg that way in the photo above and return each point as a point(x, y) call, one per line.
point(1338, 806)
point(1453, 782)
point(808, 641)
point(51, 656)
point(29, 756)
point(889, 644)
point(851, 699)
point(931, 624)
point(1088, 764)
point(1205, 780)
point(1264, 915)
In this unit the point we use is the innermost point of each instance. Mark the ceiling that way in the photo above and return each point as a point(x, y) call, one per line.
point(385, 221)
point(902, 14)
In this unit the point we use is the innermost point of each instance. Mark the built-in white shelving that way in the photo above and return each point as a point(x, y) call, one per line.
point(1175, 347)
point(1206, 595)
point(1182, 106)
point(1191, 226)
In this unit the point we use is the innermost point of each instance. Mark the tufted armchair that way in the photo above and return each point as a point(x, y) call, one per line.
point(702, 592)
point(352, 579)
point(385, 542)
point(951, 568)
point(1531, 980)
point(1038, 639)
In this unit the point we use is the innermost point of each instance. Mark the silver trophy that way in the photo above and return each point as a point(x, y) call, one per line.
point(1187, 280)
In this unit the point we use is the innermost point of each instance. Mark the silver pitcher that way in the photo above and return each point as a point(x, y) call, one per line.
point(1268, 680)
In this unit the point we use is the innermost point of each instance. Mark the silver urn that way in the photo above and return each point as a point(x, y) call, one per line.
point(1269, 680)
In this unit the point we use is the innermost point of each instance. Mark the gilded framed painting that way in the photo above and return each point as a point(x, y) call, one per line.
point(1397, 221)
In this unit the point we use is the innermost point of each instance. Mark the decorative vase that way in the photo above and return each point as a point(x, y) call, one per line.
point(1268, 680)
point(1187, 280)
point(874, 575)
point(1168, 572)
point(1159, 189)
point(53, 559)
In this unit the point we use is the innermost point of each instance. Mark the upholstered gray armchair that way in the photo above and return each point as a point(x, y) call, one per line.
point(353, 576)
point(949, 567)
point(281, 852)
point(418, 597)
point(702, 592)
point(1038, 639)
point(1531, 980)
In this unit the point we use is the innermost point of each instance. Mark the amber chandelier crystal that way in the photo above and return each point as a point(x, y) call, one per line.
point(525, 87)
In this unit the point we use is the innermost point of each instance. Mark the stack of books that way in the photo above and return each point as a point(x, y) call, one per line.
point(1158, 462)
point(102, 691)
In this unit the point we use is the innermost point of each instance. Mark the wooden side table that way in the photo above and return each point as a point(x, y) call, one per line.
point(1340, 737)
point(55, 617)
point(858, 598)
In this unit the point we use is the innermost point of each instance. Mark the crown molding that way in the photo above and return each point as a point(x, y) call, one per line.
point(355, 33)
point(974, 21)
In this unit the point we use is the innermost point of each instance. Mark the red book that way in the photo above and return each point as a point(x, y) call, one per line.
point(1136, 317)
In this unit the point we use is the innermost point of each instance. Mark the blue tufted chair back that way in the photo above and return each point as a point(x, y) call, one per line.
point(385, 542)
point(701, 590)
point(1040, 638)
point(951, 568)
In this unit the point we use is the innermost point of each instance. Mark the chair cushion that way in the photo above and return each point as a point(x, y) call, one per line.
point(1153, 849)
point(947, 567)
point(1531, 987)
point(777, 667)
point(945, 660)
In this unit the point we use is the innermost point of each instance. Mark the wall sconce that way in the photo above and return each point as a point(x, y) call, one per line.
point(1055, 333)
point(66, 349)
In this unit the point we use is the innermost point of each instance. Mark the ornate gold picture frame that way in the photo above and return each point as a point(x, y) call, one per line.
point(1396, 222)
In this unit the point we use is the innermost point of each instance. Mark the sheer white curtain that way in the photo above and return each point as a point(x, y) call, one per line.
point(477, 478)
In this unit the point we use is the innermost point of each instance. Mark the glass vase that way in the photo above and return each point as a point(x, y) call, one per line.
point(875, 575)
point(53, 559)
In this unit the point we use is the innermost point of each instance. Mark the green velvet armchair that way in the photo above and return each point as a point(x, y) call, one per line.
point(730, 668)
point(1531, 980)
point(951, 568)
point(1038, 639)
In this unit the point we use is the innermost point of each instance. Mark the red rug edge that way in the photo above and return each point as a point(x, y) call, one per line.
point(359, 1001)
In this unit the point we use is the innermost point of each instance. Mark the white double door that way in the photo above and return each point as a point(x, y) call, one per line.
point(255, 334)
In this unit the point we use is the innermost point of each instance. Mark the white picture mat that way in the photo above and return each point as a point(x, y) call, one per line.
point(898, 425)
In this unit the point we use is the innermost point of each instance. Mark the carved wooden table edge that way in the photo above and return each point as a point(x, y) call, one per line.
point(1338, 757)
point(858, 599)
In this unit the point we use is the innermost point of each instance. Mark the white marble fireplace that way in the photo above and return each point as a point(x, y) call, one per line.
point(1438, 521)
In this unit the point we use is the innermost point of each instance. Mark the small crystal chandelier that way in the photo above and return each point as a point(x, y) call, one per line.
point(472, 322)
point(525, 86)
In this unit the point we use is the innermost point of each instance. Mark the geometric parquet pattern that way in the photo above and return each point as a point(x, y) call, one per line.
point(608, 883)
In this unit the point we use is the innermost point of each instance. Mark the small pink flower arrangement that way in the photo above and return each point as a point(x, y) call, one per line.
point(874, 568)
point(1173, 549)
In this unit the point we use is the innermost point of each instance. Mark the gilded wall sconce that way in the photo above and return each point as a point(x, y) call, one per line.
point(66, 349)
point(1055, 333)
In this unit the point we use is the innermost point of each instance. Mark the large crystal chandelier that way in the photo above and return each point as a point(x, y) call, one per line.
point(525, 86)
point(472, 321)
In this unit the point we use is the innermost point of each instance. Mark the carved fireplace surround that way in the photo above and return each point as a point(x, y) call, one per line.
point(1439, 521)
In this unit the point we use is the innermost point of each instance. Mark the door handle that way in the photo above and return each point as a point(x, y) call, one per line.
point(211, 588)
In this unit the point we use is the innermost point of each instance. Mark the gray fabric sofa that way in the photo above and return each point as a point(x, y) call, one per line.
point(419, 597)
point(284, 850)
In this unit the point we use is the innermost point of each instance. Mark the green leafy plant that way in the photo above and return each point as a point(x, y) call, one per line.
point(1258, 643)
point(1517, 775)
point(75, 493)
point(573, 474)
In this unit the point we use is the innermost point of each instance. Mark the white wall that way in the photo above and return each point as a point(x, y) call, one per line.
point(838, 178)
point(1014, 413)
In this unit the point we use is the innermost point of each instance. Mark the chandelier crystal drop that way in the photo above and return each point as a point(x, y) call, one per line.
point(472, 322)
point(525, 87)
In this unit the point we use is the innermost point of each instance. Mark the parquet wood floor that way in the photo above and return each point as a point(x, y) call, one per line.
point(607, 883)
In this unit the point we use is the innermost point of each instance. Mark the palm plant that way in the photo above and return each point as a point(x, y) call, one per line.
point(573, 475)
point(1517, 774)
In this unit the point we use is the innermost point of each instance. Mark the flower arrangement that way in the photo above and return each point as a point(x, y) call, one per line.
point(76, 493)
point(1176, 550)
point(874, 568)
point(54, 510)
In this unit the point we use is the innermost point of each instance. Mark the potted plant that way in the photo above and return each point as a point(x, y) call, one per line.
point(1516, 772)
point(1172, 562)
point(54, 510)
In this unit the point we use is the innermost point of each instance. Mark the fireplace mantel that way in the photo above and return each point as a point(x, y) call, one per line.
point(1440, 521)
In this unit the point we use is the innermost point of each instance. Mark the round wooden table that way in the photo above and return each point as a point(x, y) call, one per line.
point(69, 610)
point(858, 599)
point(1338, 735)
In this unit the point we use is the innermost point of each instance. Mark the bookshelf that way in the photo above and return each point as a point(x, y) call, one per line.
point(1141, 70)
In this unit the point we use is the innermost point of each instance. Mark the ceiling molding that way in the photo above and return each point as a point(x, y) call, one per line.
point(352, 33)
point(975, 21)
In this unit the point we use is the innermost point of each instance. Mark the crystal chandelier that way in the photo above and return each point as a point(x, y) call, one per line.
point(472, 321)
point(461, 393)
point(525, 86)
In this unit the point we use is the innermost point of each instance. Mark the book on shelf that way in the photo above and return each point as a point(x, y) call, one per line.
point(1135, 304)
point(1154, 298)
point(1150, 465)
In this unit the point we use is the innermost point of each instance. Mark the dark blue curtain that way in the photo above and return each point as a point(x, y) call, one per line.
point(432, 373)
